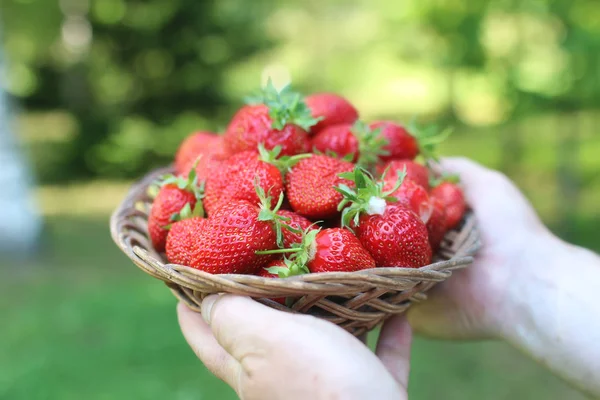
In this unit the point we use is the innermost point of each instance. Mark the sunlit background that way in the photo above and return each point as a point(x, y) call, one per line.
point(97, 93)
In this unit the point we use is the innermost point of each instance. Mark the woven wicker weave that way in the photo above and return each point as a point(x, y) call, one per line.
point(356, 301)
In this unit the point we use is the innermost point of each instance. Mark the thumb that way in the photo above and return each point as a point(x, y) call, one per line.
point(239, 323)
point(393, 348)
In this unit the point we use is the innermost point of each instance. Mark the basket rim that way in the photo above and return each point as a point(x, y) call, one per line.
point(151, 262)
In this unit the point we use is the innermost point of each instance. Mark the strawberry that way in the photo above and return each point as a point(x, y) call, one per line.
point(410, 194)
point(331, 109)
point(311, 183)
point(236, 178)
point(454, 201)
point(177, 198)
point(228, 242)
point(207, 165)
point(337, 250)
point(414, 171)
point(297, 222)
point(391, 232)
point(327, 250)
point(197, 144)
point(337, 139)
point(396, 238)
point(400, 143)
point(436, 226)
point(357, 142)
point(279, 119)
point(182, 238)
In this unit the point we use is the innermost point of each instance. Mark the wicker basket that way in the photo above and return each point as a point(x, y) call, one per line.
point(356, 301)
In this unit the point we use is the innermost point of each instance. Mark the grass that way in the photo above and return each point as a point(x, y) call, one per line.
point(82, 322)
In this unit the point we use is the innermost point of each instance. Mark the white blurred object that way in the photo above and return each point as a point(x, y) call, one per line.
point(20, 222)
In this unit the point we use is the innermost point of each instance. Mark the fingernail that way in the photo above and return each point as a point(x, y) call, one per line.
point(207, 305)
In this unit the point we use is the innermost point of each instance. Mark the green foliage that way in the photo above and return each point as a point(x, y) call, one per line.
point(138, 76)
point(285, 106)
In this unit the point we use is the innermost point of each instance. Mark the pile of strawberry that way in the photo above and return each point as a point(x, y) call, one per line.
point(300, 185)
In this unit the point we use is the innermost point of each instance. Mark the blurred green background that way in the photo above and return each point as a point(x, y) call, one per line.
point(104, 90)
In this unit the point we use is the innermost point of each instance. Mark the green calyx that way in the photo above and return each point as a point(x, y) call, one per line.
point(299, 255)
point(291, 269)
point(269, 214)
point(283, 163)
point(367, 197)
point(371, 144)
point(188, 212)
point(429, 138)
point(189, 184)
point(285, 107)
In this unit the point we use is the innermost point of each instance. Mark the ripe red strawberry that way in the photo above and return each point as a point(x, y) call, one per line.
point(297, 222)
point(391, 232)
point(252, 125)
point(337, 250)
point(332, 109)
point(436, 226)
point(357, 143)
point(395, 238)
point(410, 194)
point(183, 237)
point(279, 119)
point(454, 202)
point(310, 186)
point(176, 196)
point(414, 171)
point(228, 242)
point(338, 139)
point(236, 178)
point(197, 144)
point(170, 201)
point(326, 250)
point(401, 144)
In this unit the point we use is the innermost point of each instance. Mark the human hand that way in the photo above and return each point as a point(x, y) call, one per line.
point(267, 354)
point(480, 301)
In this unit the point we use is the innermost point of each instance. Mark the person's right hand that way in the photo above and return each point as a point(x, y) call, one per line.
point(479, 301)
point(526, 286)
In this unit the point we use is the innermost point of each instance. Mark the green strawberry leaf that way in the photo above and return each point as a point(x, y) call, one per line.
point(371, 144)
point(429, 138)
point(285, 107)
point(283, 163)
point(358, 201)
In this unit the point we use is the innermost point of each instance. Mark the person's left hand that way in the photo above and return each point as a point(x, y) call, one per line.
point(267, 354)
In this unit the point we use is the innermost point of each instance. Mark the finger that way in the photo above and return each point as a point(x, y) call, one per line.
point(200, 338)
point(393, 348)
point(493, 196)
point(241, 325)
